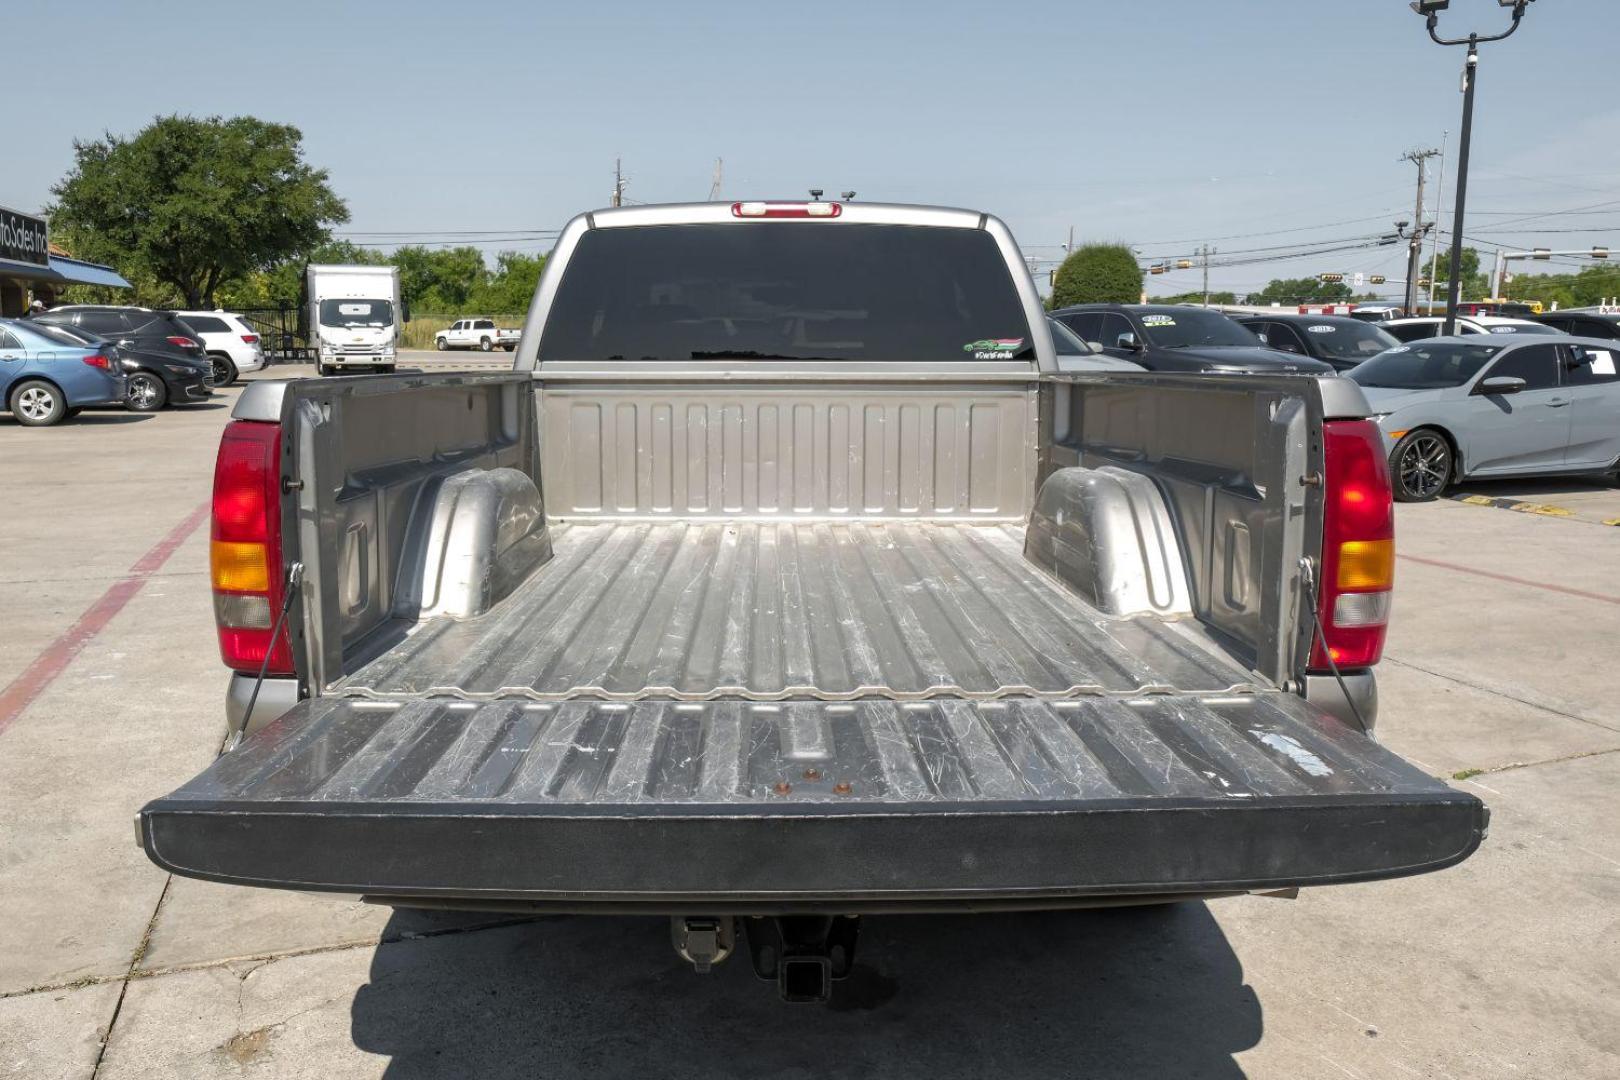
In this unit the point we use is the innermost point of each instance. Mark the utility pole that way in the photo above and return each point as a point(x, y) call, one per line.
point(618, 184)
point(1414, 245)
point(1068, 249)
point(1206, 251)
point(719, 173)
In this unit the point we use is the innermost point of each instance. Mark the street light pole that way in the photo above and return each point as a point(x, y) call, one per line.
point(1431, 9)
point(1470, 73)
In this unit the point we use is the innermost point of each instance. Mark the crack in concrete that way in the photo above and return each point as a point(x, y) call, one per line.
point(1502, 694)
point(135, 959)
point(1515, 765)
point(259, 960)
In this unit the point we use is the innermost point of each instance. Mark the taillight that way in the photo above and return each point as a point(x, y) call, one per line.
point(183, 342)
point(244, 553)
point(97, 360)
point(250, 339)
point(786, 210)
point(1358, 546)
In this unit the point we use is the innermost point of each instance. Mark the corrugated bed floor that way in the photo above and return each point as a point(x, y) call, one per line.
point(770, 611)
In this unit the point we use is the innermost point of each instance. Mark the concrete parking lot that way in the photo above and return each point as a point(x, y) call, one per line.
point(1498, 674)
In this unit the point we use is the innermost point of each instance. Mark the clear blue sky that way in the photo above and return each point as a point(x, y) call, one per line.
point(1159, 122)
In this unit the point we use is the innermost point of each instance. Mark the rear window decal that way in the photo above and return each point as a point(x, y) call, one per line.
point(1158, 320)
point(1322, 329)
point(993, 348)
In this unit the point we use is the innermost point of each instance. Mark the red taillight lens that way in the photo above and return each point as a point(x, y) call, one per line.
point(245, 548)
point(97, 361)
point(250, 339)
point(786, 210)
point(183, 342)
point(1358, 546)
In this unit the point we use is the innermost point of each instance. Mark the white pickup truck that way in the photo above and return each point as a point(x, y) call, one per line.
point(475, 334)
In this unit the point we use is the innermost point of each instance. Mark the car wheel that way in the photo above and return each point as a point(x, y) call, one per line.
point(146, 392)
point(510, 348)
point(224, 370)
point(38, 404)
point(385, 369)
point(483, 343)
point(1421, 465)
point(441, 344)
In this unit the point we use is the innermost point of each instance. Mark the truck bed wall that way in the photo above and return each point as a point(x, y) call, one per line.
point(789, 449)
point(1226, 456)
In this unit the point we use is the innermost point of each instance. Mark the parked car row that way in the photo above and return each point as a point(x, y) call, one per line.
point(1502, 397)
point(56, 362)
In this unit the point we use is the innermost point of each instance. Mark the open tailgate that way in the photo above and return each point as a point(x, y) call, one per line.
point(861, 804)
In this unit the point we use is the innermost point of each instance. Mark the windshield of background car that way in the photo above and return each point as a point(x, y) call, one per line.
point(1424, 366)
point(1348, 340)
point(811, 290)
point(1190, 328)
point(1066, 342)
point(348, 313)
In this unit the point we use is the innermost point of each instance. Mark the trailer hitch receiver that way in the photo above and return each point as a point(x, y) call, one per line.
point(803, 954)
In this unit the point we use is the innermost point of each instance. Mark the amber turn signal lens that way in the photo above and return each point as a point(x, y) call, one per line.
point(238, 567)
point(1366, 564)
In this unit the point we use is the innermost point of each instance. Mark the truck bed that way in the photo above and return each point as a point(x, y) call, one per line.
point(638, 723)
point(778, 610)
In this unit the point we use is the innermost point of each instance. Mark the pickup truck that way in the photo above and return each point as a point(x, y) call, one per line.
point(475, 334)
point(786, 579)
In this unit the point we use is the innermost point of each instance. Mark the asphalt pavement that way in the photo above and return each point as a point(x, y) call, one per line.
point(1497, 674)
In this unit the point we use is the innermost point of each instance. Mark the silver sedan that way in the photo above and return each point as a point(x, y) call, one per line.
point(1458, 408)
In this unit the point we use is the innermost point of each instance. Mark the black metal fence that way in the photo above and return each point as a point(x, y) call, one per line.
point(281, 337)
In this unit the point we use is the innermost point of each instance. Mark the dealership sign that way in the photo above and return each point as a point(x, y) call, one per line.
point(24, 238)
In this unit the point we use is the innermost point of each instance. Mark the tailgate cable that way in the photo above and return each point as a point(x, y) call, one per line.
point(1307, 570)
point(295, 574)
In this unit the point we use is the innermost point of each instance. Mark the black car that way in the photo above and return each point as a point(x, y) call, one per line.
point(1168, 337)
point(1339, 340)
point(163, 359)
point(1589, 324)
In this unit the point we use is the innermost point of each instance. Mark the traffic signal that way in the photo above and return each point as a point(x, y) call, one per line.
point(1376, 279)
point(1330, 279)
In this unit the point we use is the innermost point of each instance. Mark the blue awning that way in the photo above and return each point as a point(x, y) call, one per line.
point(64, 270)
point(87, 273)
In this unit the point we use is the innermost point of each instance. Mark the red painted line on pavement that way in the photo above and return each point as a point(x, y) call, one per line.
point(39, 675)
point(1584, 595)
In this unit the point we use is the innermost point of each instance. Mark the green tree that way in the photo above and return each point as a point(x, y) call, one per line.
point(1098, 273)
point(508, 290)
point(195, 203)
point(1475, 285)
point(1195, 297)
point(439, 280)
point(1300, 291)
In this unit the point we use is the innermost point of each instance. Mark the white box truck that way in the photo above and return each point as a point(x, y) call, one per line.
point(354, 316)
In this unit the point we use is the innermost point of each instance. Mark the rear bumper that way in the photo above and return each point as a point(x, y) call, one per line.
point(111, 391)
point(276, 696)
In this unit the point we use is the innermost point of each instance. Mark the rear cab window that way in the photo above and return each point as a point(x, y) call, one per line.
point(786, 291)
point(206, 324)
